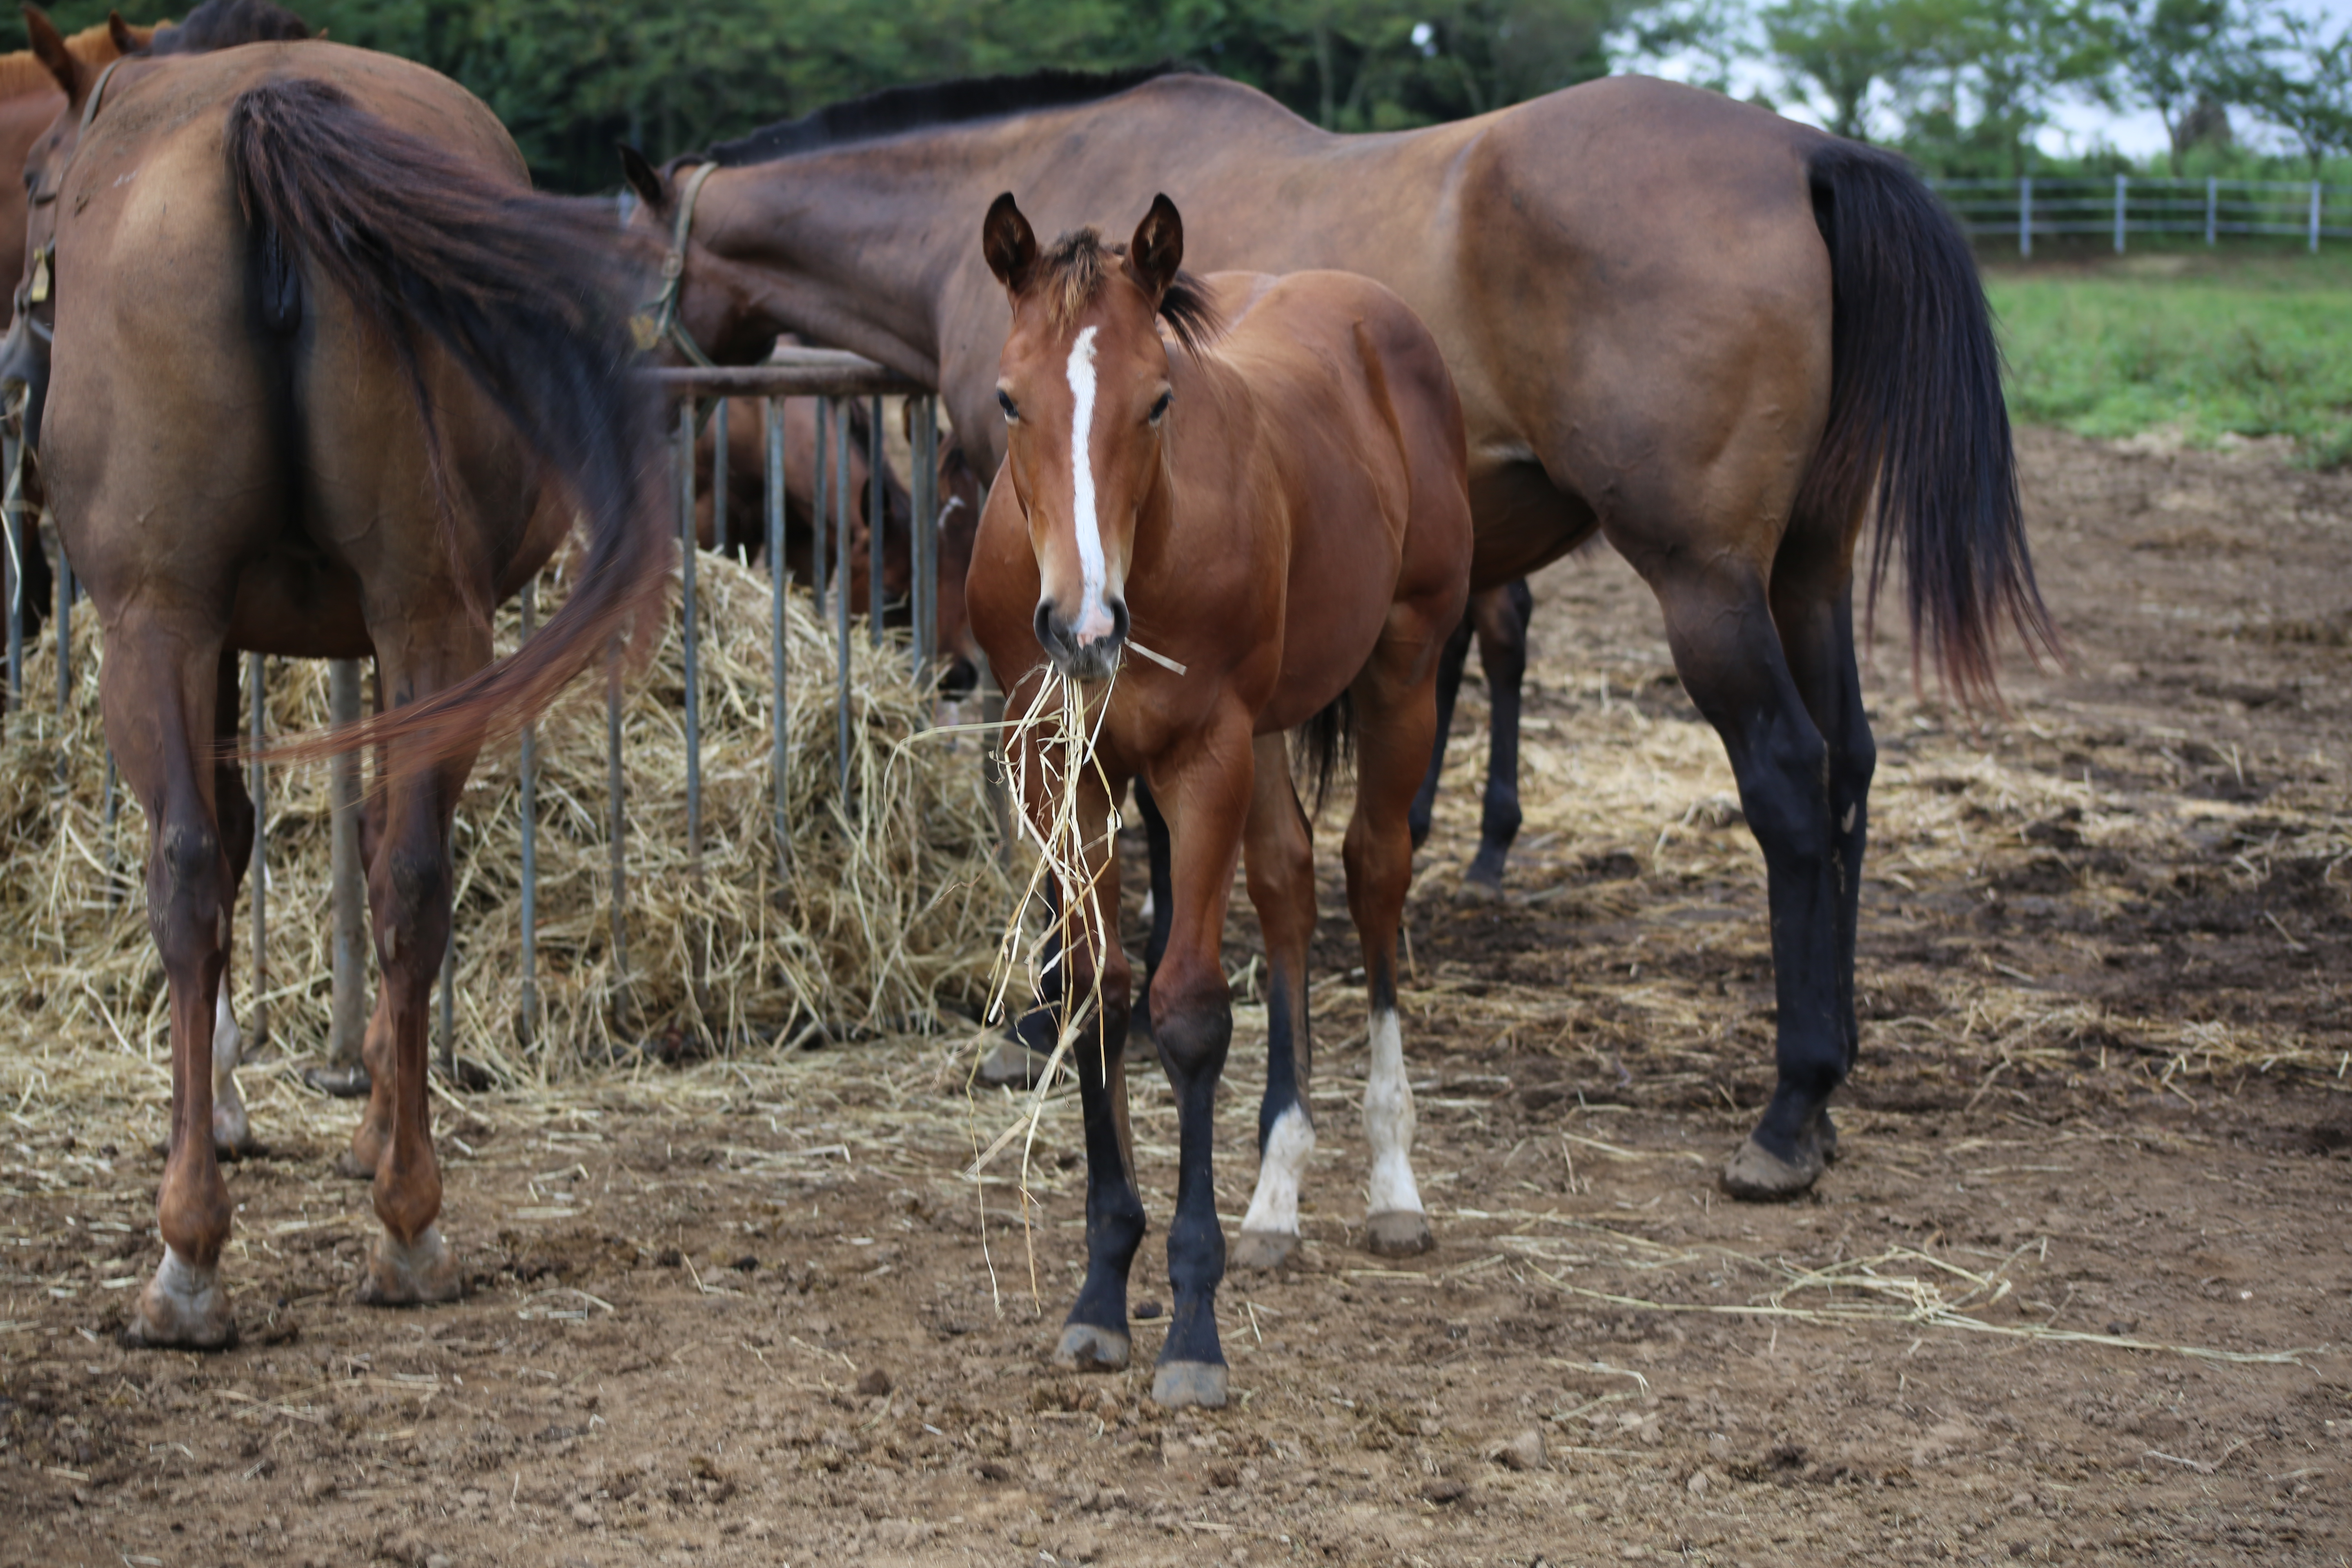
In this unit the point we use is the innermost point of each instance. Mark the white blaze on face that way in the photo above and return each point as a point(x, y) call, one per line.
point(1093, 618)
point(1389, 1121)
point(1274, 1208)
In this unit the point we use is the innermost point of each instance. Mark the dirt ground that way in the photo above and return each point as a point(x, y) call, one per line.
point(2079, 1288)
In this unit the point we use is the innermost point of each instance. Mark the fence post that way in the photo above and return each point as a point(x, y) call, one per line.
point(528, 787)
point(2025, 215)
point(841, 591)
point(779, 585)
point(2123, 184)
point(345, 1063)
point(2213, 208)
point(257, 669)
point(2315, 217)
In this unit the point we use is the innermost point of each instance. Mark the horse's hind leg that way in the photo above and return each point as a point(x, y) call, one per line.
point(157, 687)
point(1279, 852)
point(231, 1132)
point(1450, 665)
point(1501, 617)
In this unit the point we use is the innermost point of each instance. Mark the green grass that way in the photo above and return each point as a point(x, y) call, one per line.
point(2208, 345)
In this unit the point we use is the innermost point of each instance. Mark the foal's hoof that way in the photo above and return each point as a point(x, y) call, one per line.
point(1177, 1383)
point(411, 1273)
point(1476, 890)
point(1012, 1065)
point(1758, 1176)
point(182, 1308)
point(1825, 1134)
point(1265, 1250)
point(349, 1166)
point(1086, 1348)
point(232, 1133)
point(1398, 1233)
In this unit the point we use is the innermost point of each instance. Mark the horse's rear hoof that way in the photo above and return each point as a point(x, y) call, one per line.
point(1177, 1383)
point(1755, 1174)
point(1010, 1065)
point(1398, 1233)
point(1086, 1348)
point(1476, 890)
point(411, 1273)
point(1262, 1249)
point(348, 1166)
point(182, 1308)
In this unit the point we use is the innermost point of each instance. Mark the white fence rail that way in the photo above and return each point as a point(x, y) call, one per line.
point(2035, 207)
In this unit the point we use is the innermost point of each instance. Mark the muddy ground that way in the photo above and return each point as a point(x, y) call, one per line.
point(754, 1313)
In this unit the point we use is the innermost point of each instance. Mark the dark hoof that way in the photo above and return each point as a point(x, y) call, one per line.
point(412, 1274)
point(1086, 1348)
point(1262, 1249)
point(1177, 1383)
point(1755, 1174)
point(1825, 1134)
point(343, 1083)
point(1012, 1065)
point(1475, 890)
point(1398, 1233)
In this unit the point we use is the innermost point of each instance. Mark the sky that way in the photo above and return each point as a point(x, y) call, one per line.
point(2076, 126)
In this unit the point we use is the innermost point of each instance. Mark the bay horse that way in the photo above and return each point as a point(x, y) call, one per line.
point(1723, 340)
point(1272, 497)
point(328, 381)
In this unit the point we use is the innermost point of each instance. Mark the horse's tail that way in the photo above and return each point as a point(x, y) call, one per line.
point(524, 292)
point(1325, 745)
point(1915, 409)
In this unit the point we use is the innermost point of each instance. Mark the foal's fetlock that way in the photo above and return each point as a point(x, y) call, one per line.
point(411, 1273)
point(182, 1308)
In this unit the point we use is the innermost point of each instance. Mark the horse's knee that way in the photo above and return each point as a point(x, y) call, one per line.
point(1193, 1026)
point(184, 889)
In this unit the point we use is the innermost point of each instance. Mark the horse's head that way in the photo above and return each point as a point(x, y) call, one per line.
point(25, 354)
point(1083, 384)
point(704, 305)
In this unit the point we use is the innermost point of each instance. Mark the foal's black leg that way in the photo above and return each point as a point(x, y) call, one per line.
point(232, 807)
point(1163, 899)
point(1095, 1335)
point(1730, 656)
point(1450, 661)
point(1501, 618)
point(1192, 1041)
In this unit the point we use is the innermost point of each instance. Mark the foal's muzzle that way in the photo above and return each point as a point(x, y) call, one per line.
point(1088, 658)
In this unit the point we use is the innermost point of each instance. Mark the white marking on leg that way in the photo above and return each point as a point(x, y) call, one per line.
point(229, 1124)
point(1847, 825)
point(1274, 1208)
point(1389, 1121)
point(1094, 617)
point(1149, 905)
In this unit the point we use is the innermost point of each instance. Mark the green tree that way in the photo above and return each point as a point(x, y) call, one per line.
point(2169, 56)
point(1839, 52)
point(2298, 74)
point(1985, 74)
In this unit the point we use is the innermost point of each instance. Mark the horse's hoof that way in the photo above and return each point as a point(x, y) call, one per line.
point(182, 1308)
point(348, 1166)
point(1177, 1383)
point(343, 1083)
point(1755, 1174)
point(1398, 1233)
point(411, 1273)
point(1476, 890)
point(1262, 1249)
point(1086, 1348)
point(1012, 1065)
point(1825, 1135)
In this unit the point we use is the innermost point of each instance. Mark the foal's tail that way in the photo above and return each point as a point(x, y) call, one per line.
point(1916, 409)
point(524, 291)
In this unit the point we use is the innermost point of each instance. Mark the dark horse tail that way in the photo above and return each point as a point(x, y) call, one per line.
point(525, 293)
point(1915, 407)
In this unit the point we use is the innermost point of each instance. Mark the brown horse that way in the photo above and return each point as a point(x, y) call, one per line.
point(328, 382)
point(1283, 514)
point(1714, 336)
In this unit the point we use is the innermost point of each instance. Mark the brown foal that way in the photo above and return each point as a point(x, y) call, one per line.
point(328, 381)
point(1269, 495)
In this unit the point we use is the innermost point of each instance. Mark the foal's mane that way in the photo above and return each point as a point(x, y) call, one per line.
point(1072, 270)
point(225, 24)
point(22, 71)
point(897, 109)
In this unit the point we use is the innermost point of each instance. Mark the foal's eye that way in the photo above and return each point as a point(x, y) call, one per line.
point(1159, 408)
point(1012, 410)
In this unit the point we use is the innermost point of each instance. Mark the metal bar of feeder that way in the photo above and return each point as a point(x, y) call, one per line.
point(257, 671)
point(818, 516)
point(771, 411)
point(11, 508)
point(876, 524)
point(841, 596)
point(348, 1027)
point(449, 996)
point(65, 629)
point(926, 542)
point(113, 873)
point(620, 822)
point(529, 793)
point(689, 643)
point(793, 372)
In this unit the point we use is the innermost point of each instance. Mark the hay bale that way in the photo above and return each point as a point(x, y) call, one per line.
point(887, 919)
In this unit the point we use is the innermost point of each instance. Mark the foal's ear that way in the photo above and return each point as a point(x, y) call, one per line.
point(1158, 248)
point(643, 178)
point(1009, 243)
point(127, 39)
point(49, 48)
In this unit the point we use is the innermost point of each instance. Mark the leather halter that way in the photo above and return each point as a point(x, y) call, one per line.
point(663, 321)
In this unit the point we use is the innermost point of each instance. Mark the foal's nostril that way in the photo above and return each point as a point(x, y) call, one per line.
point(1049, 633)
